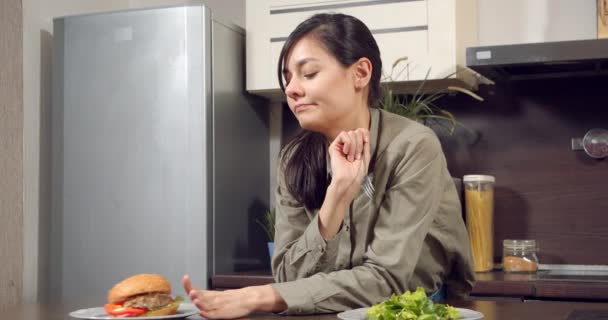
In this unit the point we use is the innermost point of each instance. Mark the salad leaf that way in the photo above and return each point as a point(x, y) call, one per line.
point(412, 306)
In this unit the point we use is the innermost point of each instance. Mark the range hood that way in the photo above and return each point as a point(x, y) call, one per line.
point(540, 60)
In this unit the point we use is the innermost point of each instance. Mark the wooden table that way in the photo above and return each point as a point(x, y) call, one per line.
point(493, 310)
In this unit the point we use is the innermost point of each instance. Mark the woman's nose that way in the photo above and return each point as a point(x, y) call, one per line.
point(293, 89)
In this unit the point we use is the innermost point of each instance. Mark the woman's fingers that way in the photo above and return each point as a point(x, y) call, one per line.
point(227, 304)
point(364, 141)
point(343, 144)
point(208, 314)
point(352, 143)
point(187, 284)
point(360, 138)
point(205, 299)
point(190, 290)
point(213, 304)
point(357, 139)
point(202, 299)
point(365, 134)
point(366, 150)
point(193, 293)
point(345, 141)
point(198, 304)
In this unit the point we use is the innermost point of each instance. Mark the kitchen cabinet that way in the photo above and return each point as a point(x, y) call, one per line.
point(433, 34)
point(524, 21)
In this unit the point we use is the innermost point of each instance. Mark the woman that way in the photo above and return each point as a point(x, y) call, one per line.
point(336, 246)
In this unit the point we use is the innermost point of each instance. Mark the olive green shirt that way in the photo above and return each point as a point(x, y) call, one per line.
point(411, 234)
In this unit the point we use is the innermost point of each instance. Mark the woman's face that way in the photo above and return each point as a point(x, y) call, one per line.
point(320, 91)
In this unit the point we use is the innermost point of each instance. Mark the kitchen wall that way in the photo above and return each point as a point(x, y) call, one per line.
point(37, 56)
point(522, 21)
point(11, 146)
point(544, 190)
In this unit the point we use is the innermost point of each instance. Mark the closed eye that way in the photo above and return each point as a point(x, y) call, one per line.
point(310, 75)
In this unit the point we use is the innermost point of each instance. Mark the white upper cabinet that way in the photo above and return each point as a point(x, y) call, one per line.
point(432, 34)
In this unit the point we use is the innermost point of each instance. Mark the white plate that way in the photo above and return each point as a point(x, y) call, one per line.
point(359, 314)
point(185, 310)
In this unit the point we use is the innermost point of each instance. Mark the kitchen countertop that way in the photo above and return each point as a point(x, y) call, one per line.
point(492, 310)
point(489, 284)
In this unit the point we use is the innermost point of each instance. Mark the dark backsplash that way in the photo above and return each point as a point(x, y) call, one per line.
point(522, 135)
point(544, 190)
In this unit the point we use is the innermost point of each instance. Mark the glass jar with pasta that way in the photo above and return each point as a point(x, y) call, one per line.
point(479, 205)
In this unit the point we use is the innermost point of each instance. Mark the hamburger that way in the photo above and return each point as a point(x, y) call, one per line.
point(142, 295)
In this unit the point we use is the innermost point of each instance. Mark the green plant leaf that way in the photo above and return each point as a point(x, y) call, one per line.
point(268, 222)
point(465, 91)
point(419, 106)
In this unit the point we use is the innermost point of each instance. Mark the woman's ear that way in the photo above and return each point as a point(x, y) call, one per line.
point(362, 71)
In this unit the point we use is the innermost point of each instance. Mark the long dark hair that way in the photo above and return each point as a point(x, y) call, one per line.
point(303, 159)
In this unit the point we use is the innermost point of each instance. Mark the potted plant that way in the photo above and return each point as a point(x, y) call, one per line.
point(421, 106)
point(267, 223)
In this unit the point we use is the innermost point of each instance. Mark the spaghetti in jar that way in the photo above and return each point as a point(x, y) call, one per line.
point(479, 204)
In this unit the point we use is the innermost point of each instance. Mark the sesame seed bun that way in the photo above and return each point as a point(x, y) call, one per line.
point(138, 284)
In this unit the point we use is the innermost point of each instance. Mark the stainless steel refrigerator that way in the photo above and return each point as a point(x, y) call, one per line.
point(160, 160)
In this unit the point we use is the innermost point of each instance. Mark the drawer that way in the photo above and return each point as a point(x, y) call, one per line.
point(393, 45)
point(413, 45)
point(290, 4)
point(377, 15)
point(431, 33)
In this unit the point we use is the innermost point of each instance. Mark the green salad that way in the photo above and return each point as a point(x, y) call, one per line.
point(412, 306)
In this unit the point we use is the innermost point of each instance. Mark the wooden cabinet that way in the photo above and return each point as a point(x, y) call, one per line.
point(433, 34)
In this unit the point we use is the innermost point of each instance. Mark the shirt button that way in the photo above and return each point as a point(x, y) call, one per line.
point(347, 228)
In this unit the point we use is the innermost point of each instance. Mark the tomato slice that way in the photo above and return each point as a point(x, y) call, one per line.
point(117, 310)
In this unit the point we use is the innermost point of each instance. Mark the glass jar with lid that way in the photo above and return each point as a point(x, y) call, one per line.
point(479, 205)
point(519, 256)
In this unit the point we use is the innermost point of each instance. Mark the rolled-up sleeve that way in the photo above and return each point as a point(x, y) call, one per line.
point(299, 246)
point(405, 214)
